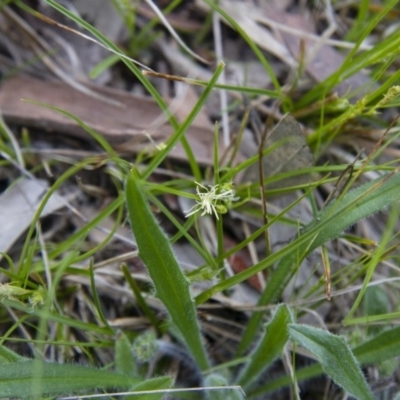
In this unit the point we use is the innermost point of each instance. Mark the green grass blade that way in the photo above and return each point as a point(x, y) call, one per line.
point(270, 346)
point(351, 64)
point(96, 297)
point(172, 287)
point(103, 65)
point(57, 318)
point(179, 134)
point(27, 248)
point(71, 241)
point(8, 356)
point(141, 302)
point(355, 205)
point(96, 136)
point(382, 347)
point(111, 46)
point(134, 69)
point(249, 41)
point(183, 230)
point(336, 358)
point(360, 21)
point(375, 259)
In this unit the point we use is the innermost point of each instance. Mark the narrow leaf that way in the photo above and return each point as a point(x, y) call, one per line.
point(8, 356)
point(336, 217)
point(34, 377)
point(171, 285)
point(124, 362)
point(161, 383)
point(335, 357)
point(270, 346)
point(382, 347)
point(355, 205)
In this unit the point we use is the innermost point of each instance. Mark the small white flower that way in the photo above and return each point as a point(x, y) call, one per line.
point(212, 202)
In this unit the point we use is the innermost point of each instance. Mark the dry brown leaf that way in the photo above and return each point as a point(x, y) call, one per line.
point(103, 15)
point(244, 16)
point(293, 154)
point(286, 45)
point(325, 61)
point(125, 128)
point(178, 20)
point(19, 205)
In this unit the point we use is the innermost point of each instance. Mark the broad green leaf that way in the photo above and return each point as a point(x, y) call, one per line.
point(270, 346)
point(218, 380)
point(382, 347)
point(161, 383)
point(171, 285)
point(124, 362)
point(335, 357)
point(35, 377)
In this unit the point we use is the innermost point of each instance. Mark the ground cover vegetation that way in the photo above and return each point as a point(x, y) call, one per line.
point(199, 199)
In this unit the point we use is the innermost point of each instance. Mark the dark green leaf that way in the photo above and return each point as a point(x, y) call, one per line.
point(171, 285)
point(270, 346)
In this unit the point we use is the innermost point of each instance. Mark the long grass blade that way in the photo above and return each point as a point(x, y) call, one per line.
point(357, 204)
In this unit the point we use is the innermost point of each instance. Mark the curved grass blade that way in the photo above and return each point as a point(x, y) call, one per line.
point(180, 131)
point(171, 285)
point(352, 62)
point(335, 357)
point(96, 136)
point(250, 42)
point(355, 205)
point(135, 70)
point(8, 356)
point(141, 303)
point(382, 347)
point(25, 260)
point(57, 318)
